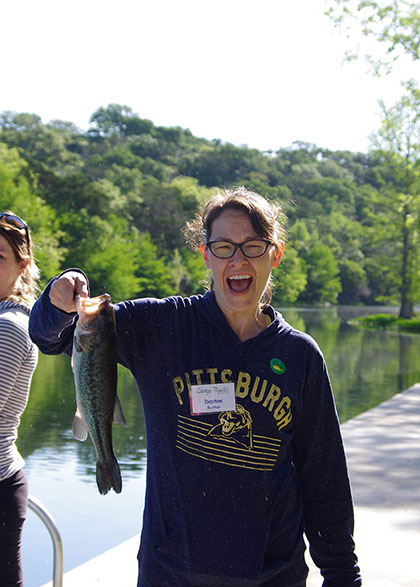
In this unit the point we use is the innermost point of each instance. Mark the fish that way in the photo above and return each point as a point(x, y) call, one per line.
point(94, 364)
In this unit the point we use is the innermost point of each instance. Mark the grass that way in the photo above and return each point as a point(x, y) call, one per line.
point(389, 322)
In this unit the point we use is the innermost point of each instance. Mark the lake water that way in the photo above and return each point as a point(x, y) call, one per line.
point(366, 368)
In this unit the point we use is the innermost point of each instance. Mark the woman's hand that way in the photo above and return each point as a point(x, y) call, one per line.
point(65, 288)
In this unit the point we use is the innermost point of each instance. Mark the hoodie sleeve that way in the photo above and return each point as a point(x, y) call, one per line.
point(51, 329)
point(322, 471)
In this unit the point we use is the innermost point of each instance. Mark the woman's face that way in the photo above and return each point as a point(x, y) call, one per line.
point(10, 269)
point(240, 281)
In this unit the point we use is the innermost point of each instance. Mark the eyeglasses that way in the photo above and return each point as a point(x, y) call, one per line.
point(251, 248)
point(16, 222)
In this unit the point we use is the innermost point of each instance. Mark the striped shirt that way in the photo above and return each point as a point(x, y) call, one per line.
point(18, 359)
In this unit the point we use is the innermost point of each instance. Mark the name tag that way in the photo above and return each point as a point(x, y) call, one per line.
point(212, 398)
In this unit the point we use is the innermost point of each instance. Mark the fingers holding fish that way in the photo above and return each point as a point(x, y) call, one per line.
point(66, 287)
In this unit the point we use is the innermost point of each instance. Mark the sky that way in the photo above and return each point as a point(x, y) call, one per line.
point(262, 73)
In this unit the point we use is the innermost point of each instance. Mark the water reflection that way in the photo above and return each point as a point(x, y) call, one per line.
point(48, 418)
point(62, 473)
point(366, 367)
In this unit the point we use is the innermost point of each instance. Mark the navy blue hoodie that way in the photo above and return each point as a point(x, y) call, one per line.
point(229, 495)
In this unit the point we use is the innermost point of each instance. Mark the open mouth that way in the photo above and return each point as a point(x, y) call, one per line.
point(239, 283)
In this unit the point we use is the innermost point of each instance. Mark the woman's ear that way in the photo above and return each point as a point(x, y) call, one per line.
point(278, 254)
point(205, 252)
point(23, 265)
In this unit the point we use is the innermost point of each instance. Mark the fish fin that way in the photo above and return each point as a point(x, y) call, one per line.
point(108, 475)
point(77, 346)
point(118, 414)
point(79, 428)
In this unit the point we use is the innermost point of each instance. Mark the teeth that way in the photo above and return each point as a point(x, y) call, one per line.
point(239, 277)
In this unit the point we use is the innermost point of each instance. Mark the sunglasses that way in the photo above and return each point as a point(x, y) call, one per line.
point(15, 222)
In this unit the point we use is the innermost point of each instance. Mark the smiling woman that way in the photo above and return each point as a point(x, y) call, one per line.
point(18, 359)
point(265, 446)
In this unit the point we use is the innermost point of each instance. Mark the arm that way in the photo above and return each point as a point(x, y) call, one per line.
point(53, 316)
point(322, 472)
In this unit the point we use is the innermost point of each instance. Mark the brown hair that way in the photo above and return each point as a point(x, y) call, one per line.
point(266, 218)
point(25, 287)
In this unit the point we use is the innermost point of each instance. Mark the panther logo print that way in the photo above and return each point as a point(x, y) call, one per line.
point(236, 426)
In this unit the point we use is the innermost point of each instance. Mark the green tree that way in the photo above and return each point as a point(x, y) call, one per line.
point(290, 278)
point(195, 280)
point(353, 281)
point(46, 144)
point(323, 285)
point(153, 273)
point(345, 209)
point(165, 207)
point(114, 119)
point(394, 24)
point(399, 141)
point(16, 194)
point(106, 249)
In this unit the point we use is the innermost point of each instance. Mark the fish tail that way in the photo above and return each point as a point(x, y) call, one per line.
point(108, 476)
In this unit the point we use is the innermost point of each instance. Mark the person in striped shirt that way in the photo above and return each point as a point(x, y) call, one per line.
point(18, 359)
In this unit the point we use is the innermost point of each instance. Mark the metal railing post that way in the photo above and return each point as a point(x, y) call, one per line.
point(41, 511)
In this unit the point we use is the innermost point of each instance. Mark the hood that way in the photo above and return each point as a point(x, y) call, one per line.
point(208, 307)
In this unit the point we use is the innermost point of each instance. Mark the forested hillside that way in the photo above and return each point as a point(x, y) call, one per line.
point(112, 201)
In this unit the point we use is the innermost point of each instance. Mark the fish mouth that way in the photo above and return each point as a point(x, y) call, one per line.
point(89, 308)
point(240, 283)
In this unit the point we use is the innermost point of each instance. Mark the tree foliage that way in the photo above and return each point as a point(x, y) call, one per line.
point(113, 200)
point(17, 195)
point(399, 141)
point(394, 24)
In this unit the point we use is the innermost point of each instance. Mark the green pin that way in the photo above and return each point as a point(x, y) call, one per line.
point(277, 366)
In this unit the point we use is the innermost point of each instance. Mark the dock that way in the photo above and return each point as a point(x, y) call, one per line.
point(383, 453)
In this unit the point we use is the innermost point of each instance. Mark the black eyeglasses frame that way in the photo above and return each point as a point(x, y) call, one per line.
point(239, 246)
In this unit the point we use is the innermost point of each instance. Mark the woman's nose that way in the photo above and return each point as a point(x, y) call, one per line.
point(238, 257)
